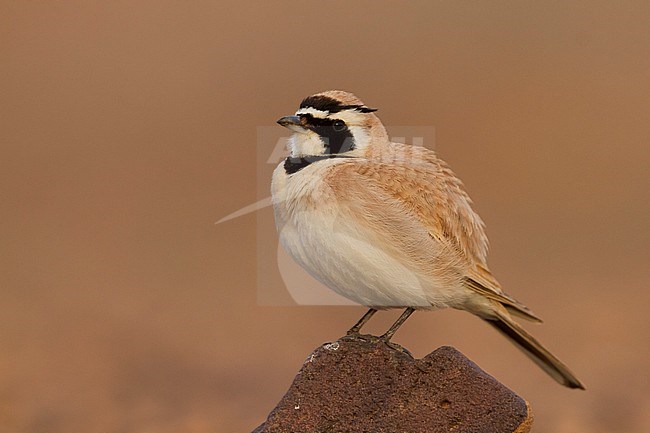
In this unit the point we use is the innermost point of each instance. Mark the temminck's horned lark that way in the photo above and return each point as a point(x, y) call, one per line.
point(388, 225)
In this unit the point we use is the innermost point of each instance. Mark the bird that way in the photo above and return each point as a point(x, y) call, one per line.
point(388, 225)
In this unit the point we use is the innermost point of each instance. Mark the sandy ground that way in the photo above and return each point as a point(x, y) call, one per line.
point(128, 128)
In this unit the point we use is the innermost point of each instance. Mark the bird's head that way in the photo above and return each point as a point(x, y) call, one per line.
point(333, 122)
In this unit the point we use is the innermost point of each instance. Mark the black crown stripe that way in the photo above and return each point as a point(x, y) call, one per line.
point(325, 103)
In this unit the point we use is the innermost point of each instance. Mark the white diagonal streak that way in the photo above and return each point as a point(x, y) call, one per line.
point(261, 204)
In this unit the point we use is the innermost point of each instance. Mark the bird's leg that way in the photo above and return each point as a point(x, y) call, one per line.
point(357, 327)
point(405, 315)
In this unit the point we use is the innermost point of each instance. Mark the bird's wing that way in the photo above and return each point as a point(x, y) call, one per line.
point(481, 281)
point(384, 220)
point(427, 189)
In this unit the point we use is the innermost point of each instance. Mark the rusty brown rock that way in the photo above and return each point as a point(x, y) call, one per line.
point(361, 384)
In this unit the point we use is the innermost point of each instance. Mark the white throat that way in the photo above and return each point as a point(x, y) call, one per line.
point(305, 143)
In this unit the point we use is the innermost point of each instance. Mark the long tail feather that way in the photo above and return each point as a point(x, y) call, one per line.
point(534, 349)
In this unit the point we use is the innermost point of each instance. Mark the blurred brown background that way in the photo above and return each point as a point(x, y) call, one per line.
point(127, 128)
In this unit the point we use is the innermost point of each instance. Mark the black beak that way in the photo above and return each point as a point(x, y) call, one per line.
point(291, 122)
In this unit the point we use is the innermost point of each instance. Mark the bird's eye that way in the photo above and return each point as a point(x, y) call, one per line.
point(339, 126)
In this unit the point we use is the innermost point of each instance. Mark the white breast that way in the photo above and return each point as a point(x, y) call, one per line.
point(341, 253)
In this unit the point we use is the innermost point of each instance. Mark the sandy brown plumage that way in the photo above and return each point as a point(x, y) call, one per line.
point(389, 225)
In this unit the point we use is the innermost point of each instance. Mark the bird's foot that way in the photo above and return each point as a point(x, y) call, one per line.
point(359, 336)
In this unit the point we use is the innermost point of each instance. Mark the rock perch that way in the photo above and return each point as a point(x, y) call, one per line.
point(361, 384)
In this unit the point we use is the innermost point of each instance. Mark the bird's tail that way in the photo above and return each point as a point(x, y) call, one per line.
point(534, 349)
